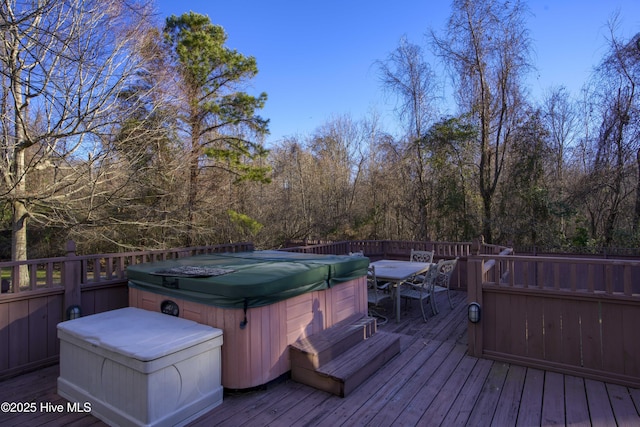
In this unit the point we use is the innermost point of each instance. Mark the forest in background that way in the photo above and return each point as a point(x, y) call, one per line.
point(121, 134)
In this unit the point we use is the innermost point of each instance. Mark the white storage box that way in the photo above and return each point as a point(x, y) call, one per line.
point(140, 368)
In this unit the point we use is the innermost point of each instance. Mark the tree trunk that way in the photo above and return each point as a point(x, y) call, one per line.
point(19, 219)
point(193, 196)
point(19, 241)
point(636, 216)
point(486, 223)
point(194, 170)
point(18, 193)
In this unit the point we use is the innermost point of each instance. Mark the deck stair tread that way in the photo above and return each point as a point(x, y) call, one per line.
point(317, 349)
point(339, 359)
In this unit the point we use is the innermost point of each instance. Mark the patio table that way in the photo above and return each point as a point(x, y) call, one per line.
point(397, 272)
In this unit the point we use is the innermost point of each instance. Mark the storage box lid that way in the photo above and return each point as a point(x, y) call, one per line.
point(139, 334)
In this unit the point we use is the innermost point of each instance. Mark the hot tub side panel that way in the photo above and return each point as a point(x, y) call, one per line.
point(259, 353)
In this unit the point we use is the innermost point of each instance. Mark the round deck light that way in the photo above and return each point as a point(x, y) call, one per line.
point(473, 312)
point(74, 312)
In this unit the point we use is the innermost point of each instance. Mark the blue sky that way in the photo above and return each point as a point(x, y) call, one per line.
point(316, 59)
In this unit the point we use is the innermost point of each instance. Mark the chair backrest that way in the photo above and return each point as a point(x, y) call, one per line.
point(371, 276)
point(445, 270)
point(421, 256)
point(431, 276)
point(371, 272)
point(372, 284)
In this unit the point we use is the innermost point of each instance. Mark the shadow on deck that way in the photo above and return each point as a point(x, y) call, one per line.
point(431, 382)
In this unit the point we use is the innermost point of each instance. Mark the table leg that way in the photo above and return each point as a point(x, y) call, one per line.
point(434, 306)
point(398, 302)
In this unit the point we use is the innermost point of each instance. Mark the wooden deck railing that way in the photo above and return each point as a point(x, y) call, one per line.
point(401, 249)
point(29, 312)
point(398, 248)
point(573, 315)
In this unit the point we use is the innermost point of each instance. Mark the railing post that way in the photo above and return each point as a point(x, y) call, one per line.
point(475, 246)
point(475, 267)
point(71, 272)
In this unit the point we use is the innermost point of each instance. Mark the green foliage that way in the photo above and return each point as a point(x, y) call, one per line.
point(235, 159)
point(449, 149)
point(244, 223)
point(450, 132)
point(211, 70)
point(220, 117)
point(581, 238)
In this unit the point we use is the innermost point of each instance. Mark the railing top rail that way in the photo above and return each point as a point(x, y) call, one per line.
point(121, 254)
point(561, 259)
point(5, 264)
point(94, 269)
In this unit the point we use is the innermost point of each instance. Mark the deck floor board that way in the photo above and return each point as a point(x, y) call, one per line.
point(553, 399)
point(599, 406)
point(506, 413)
point(530, 409)
point(433, 381)
point(577, 409)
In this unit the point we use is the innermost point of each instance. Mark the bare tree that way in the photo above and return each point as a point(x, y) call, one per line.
point(340, 183)
point(487, 47)
point(616, 140)
point(63, 65)
point(383, 183)
point(288, 200)
point(559, 116)
point(408, 76)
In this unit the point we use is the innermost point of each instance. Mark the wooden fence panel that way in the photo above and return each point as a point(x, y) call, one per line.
point(4, 337)
point(18, 333)
point(554, 344)
point(570, 327)
point(55, 315)
point(535, 337)
point(37, 335)
point(620, 332)
point(491, 321)
point(576, 316)
point(100, 299)
point(588, 313)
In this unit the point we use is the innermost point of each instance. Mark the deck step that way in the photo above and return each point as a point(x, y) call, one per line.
point(316, 350)
point(341, 371)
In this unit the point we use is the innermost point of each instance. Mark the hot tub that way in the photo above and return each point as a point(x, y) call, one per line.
point(261, 300)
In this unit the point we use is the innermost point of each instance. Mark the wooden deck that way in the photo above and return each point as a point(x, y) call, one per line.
point(431, 382)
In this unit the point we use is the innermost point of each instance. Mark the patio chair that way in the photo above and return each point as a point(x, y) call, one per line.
point(358, 253)
point(421, 256)
point(376, 293)
point(423, 290)
point(443, 280)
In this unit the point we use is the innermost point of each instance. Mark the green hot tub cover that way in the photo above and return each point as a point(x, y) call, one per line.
point(245, 279)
